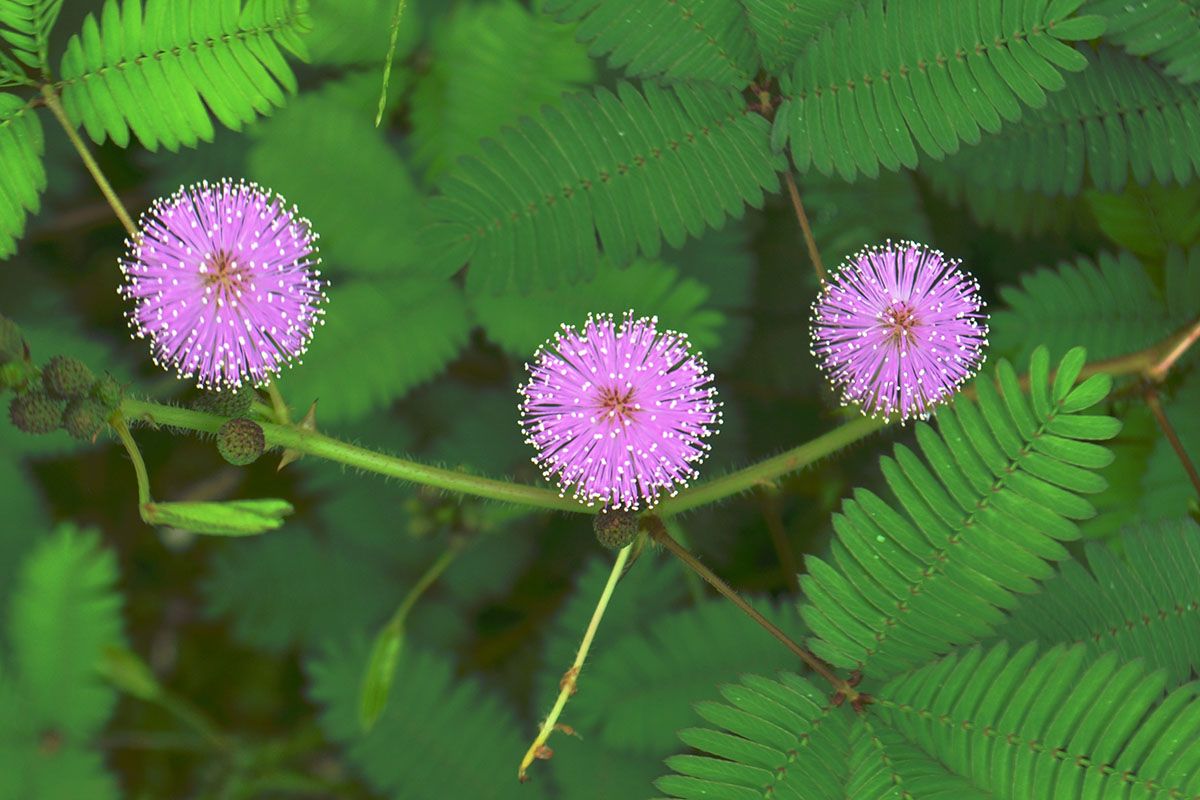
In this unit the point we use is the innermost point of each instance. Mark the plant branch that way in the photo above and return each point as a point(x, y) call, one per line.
point(1160, 369)
point(52, 102)
point(659, 534)
point(571, 676)
point(1151, 395)
point(813, 253)
point(322, 446)
point(135, 455)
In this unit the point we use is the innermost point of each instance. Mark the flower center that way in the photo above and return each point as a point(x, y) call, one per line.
point(899, 318)
point(617, 403)
point(225, 275)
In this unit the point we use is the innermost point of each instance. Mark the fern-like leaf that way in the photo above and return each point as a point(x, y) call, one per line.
point(678, 41)
point(629, 169)
point(441, 735)
point(782, 28)
point(492, 63)
point(1109, 306)
point(25, 25)
point(65, 613)
point(1167, 31)
point(937, 72)
point(971, 530)
point(778, 738)
point(1141, 603)
point(24, 176)
point(1119, 117)
point(1060, 725)
point(224, 58)
point(982, 723)
point(381, 338)
point(1018, 213)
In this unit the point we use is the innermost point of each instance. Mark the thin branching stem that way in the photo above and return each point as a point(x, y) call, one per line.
point(1159, 371)
point(658, 533)
point(1151, 395)
point(56, 108)
point(813, 253)
point(571, 676)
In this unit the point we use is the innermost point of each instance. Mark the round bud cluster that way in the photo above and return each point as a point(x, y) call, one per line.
point(36, 412)
point(241, 441)
point(66, 377)
point(107, 392)
point(615, 529)
point(229, 403)
point(84, 417)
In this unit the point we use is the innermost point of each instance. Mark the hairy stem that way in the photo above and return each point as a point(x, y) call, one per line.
point(813, 253)
point(1151, 395)
point(135, 455)
point(571, 676)
point(322, 446)
point(659, 534)
point(55, 106)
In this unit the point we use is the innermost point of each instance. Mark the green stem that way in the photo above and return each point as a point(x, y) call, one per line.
point(278, 406)
point(135, 455)
point(387, 62)
point(322, 446)
point(571, 676)
point(52, 103)
point(423, 583)
point(765, 472)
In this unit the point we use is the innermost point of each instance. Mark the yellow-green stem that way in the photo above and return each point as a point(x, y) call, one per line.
point(571, 676)
point(135, 455)
point(56, 108)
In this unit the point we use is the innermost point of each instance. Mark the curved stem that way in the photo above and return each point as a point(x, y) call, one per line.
point(571, 676)
point(423, 583)
point(135, 455)
point(1151, 396)
point(813, 253)
point(52, 103)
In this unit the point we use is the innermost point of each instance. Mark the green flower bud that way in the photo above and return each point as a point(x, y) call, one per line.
point(615, 529)
point(67, 377)
point(36, 412)
point(107, 392)
point(231, 518)
point(231, 403)
point(241, 441)
point(84, 417)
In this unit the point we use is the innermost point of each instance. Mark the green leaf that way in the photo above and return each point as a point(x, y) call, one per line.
point(1149, 220)
point(1117, 119)
point(967, 533)
point(681, 41)
point(619, 172)
point(866, 87)
point(520, 323)
point(339, 146)
point(1136, 601)
point(224, 58)
point(491, 63)
point(1168, 31)
point(381, 338)
point(432, 715)
point(783, 28)
point(26, 26)
point(378, 677)
point(227, 518)
point(345, 34)
point(24, 176)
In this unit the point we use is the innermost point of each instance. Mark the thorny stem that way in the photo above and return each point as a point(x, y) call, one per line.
point(52, 103)
point(1159, 371)
point(658, 533)
point(135, 455)
point(571, 676)
point(1151, 395)
point(813, 253)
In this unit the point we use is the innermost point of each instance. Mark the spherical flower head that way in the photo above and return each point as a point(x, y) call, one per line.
point(619, 411)
point(898, 328)
point(224, 283)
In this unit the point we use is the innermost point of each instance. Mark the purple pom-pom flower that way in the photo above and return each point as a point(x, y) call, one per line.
point(619, 412)
point(224, 283)
point(898, 329)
